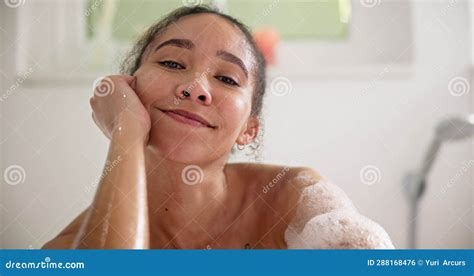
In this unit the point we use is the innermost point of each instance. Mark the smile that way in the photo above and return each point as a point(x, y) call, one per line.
point(187, 118)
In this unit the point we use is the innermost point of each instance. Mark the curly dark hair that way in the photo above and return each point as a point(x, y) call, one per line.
point(133, 59)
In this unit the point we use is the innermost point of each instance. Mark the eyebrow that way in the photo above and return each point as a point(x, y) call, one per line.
point(234, 59)
point(177, 42)
point(189, 45)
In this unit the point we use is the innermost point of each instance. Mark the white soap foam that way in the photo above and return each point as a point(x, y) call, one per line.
point(339, 229)
point(326, 218)
point(317, 199)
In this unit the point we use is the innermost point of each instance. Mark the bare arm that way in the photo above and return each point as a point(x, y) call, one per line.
point(65, 238)
point(118, 215)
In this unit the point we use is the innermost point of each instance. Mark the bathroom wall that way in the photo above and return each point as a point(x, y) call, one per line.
point(2, 47)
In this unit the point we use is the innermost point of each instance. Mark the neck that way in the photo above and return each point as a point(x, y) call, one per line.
point(184, 190)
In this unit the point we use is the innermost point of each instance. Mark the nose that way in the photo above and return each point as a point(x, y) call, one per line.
point(196, 91)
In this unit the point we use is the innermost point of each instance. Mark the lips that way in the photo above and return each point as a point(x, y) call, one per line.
point(186, 117)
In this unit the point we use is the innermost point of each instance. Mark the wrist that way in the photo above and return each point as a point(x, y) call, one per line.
point(128, 129)
point(127, 136)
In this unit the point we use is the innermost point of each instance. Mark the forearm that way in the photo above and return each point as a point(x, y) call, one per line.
point(118, 216)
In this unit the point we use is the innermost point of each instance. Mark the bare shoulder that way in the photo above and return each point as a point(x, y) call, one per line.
point(317, 213)
point(66, 237)
point(269, 176)
point(286, 187)
point(280, 173)
point(315, 195)
point(321, 215)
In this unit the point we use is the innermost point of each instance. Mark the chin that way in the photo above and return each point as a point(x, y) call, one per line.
point(180, 146)
point(184, 143)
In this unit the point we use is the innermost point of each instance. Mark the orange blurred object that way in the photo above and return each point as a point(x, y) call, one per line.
point(267, 39)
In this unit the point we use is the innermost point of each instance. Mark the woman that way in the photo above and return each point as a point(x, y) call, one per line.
point(193, 88)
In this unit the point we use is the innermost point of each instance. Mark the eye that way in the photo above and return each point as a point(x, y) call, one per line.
point(171, 64)
point(227, 80)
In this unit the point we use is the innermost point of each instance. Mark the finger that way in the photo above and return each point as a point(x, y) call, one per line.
point(124, 80)
point(99, 126)
point(95, 120)
point(127, 78)
point(115, 79)
point(133, 83)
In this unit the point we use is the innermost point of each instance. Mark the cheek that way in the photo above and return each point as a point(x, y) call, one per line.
point(236, 110)
point(153, 85)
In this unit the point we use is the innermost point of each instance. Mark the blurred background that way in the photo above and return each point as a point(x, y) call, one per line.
point(356, 90)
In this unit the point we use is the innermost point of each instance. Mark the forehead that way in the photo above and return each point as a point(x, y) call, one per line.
point(209, 32)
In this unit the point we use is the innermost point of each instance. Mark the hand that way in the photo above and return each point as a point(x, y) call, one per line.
point(116, 107)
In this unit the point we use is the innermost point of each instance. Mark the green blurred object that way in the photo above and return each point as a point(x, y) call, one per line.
point(92, 12)
point(131, 17)
point(140, 15)
point(297, 19)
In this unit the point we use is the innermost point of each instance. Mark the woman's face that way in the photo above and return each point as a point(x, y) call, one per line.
point(210, 59)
